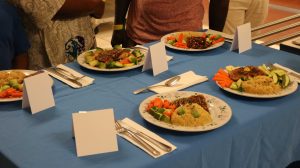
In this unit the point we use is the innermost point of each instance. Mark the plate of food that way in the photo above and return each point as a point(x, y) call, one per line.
point(192, 41)
point(255, 81)
point(185, 111)
point(11, 84)
point(116, 59)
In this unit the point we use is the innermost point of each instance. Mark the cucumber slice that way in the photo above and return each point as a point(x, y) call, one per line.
point(274, 77)
point(285, 80)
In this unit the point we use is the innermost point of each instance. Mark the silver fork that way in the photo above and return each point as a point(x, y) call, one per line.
point(137, 139)
point(67, 73)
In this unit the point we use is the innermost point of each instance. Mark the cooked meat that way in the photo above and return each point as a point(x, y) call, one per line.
point(245, 73)
point(197, 42)
point(199, 99)
point(110, 55)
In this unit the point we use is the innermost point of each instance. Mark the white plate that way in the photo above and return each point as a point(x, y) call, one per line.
point(220, 111)
point(81, 61)
point(26, 72)
point(288, 90)
point(164, 40)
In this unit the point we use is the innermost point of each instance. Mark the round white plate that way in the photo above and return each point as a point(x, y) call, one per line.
point(164, 40)
point(81, 61)
point(26, 72)
point(286, 91)
point(220, 111)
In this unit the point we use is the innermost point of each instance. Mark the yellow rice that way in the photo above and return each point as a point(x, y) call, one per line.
point(187, 118)
point(261, 85)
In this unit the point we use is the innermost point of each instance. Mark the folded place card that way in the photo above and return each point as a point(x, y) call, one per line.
point(128, 123)
point(156, 59)
point(37, 93)
point(83, 79)
point(95, 132)
point(242, 38)
point(187, 79)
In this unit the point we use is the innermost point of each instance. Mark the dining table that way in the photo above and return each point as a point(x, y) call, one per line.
point(262, 132)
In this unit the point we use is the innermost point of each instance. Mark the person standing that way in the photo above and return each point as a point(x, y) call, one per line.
point(225, 16)
point(13, 40)
point(58, 30)
point(149, 20)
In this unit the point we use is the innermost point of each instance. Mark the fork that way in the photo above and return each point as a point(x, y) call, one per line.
point(67, 73)
point(122, 130)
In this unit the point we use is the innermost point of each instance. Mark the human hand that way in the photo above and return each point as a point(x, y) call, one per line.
point(118, 37)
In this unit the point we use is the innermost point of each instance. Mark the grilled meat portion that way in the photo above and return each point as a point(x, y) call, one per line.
point(245, 73)
point(199, 99)
point(111, 55)
point(197, 42)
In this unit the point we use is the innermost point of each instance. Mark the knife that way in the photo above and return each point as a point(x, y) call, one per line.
point(54, 71)
point(159, 144)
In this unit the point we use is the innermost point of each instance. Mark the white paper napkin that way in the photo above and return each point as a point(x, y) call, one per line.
point(288, 70)
point(187, 79)
point(126, 122)
point(85, 81)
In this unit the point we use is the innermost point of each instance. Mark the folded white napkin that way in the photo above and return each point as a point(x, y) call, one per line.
point(85, 81)
point(289, 71)
point(126, 122)
point(187, 79)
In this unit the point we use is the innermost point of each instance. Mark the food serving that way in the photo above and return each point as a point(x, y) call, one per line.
point(116, 58)
point(11, 84)
point(255, 80)
point(193, 40)
point(190, 111)
point(185, 111)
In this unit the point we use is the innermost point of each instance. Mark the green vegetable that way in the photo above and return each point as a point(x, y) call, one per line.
point(4, 87)
point(102, 65)
point(14, 83)
point(89, 58)
point(137, 53)
point(165, 118)
point(133, 59)
point(94, 63)
point(117, 47)
point(118, 64)
point(195, 113)
point(160, 110)
point(180, 111)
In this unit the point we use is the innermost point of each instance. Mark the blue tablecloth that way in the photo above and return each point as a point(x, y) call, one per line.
point(261, 133)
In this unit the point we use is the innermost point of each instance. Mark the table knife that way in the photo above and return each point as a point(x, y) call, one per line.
point(52, 70)
point(159, 144)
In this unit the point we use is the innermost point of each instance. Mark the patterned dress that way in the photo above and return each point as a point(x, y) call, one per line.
point(53, 42)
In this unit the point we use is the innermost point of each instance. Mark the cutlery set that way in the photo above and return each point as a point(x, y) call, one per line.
point(66, 75)
point(140, 137)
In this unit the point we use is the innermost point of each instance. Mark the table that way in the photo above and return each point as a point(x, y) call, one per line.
point(262, 132)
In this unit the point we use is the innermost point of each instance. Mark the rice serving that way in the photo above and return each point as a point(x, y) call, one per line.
point(190, 115)
point(261, 85)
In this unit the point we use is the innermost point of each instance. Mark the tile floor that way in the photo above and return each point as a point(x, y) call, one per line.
point(277, 9)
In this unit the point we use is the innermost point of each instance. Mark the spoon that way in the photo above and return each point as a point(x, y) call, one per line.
point(169, 83)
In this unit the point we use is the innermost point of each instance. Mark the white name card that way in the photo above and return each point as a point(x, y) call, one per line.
point(242, 38)
point(37, 93)
point(156, 59)
point(95, 132)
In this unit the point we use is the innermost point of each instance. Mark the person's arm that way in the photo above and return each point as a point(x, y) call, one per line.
point(217, 14)
point(119, 33)
point(78, 8)
point(20, 61)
